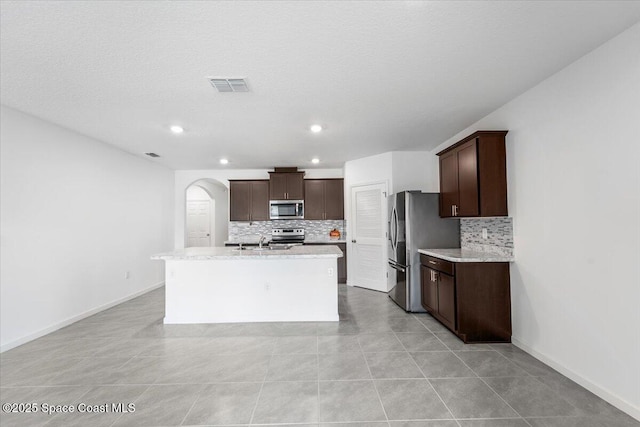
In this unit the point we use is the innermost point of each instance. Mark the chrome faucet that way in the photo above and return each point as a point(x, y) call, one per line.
point(261, 241)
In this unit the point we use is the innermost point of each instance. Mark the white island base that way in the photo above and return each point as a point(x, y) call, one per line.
point(216, 285)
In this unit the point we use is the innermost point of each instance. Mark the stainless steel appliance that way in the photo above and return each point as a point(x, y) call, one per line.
point(414, 223)
point(286, 209)
point(287, 236)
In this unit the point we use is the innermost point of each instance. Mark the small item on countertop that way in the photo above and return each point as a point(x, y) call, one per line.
point(334, 234)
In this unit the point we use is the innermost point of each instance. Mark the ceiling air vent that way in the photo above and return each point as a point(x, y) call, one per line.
point(152, 154)
point(229, 85)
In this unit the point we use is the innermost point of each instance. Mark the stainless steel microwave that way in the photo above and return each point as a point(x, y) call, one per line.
point(286, 209)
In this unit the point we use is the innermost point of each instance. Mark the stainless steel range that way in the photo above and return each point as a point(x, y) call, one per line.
point(287, 235)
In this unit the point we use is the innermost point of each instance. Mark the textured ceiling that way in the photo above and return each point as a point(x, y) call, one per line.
point(380, 76)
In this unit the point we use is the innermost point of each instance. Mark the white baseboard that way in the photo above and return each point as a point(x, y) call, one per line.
point(67, 322)
point(599, 391)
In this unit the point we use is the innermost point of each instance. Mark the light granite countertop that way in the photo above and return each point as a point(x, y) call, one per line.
point(218, 253)
point(466, 255)
point(327, 240)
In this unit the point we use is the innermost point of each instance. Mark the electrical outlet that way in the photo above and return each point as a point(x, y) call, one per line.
point(484, 233)
point(126, 274)
point(330, 271)
point(267, 287)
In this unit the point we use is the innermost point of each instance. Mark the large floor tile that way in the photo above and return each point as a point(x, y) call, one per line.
point(392, 365)
point(525, 361)
point(441, 364)
point(454, 343)
point(88, 371)
point(511, 422)
point(420, 341)
point(287, 402)
point(293, 367)
point(297, 344)
point(220, 404)
point(338, 344)
point(530, 398)
point(406, 324)
point(490, 364)
point(471, 398)
point(290, 374)
point(586, 402)
point(424, 423)
point(583, 421)
point(343, 401)
point(377, 342)
point(96, 407)
point(38, 395)
point(161, 405)
point(410, 399)
point(343, 366)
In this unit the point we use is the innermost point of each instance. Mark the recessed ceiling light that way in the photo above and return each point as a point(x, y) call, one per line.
point(315, 160)
point(176, 129)
point(315, 128)
point(224, 161)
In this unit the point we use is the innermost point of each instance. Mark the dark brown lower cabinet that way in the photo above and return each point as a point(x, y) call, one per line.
point(472, 299)
point(342, 262)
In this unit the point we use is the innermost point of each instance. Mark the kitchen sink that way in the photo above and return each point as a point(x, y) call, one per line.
point(272, 248)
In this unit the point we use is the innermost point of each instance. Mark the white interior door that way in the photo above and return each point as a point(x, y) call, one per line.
point(368, 267)
point(198, 223)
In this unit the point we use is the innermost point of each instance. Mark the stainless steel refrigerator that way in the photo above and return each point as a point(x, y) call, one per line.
point(414, 223)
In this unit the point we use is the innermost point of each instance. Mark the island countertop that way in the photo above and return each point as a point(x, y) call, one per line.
point(218, 253)
point(466, 255)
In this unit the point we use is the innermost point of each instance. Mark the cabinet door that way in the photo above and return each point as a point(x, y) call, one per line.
point(260, 200)
point(468, 179)
point(429, 288)
point(334, 199)
point(448, 183)
point(277, 186)
point(294, 186)
point(240, 201)
point(314, 191)
point(447, 300)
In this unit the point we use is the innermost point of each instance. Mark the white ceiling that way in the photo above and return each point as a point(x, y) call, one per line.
point(380, 76)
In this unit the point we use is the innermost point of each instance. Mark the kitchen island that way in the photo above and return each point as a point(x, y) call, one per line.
point(225, 284)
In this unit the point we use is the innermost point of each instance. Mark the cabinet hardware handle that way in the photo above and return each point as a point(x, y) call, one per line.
point(452, 211)
point(455, 210)
point(353, 241)
point(432, 262)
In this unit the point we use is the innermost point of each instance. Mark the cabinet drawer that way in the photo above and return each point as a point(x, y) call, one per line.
point(438, 264)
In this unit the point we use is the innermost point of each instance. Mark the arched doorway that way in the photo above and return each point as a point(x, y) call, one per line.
point(206, 214)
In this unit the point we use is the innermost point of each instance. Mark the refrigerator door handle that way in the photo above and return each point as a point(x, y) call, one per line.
point(394, 220)
point(397, 267)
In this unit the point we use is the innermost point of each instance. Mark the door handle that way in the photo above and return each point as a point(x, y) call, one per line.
point(397, 267)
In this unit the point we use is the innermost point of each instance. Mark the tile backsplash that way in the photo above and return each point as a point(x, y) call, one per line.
point(252, 231)
point(499, 235)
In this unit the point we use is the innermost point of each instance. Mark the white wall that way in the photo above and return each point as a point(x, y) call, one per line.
point(574, 193)
point(76, 215)
point(413, 170)
point(399, 170)
point(184, 178)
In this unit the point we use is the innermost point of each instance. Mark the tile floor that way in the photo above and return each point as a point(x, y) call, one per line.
point(377, 367)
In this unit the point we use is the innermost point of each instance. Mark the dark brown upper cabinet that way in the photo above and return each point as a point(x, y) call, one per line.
point(473, 176)
point(286, 185)
point(324, 199)
point(249, 200)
